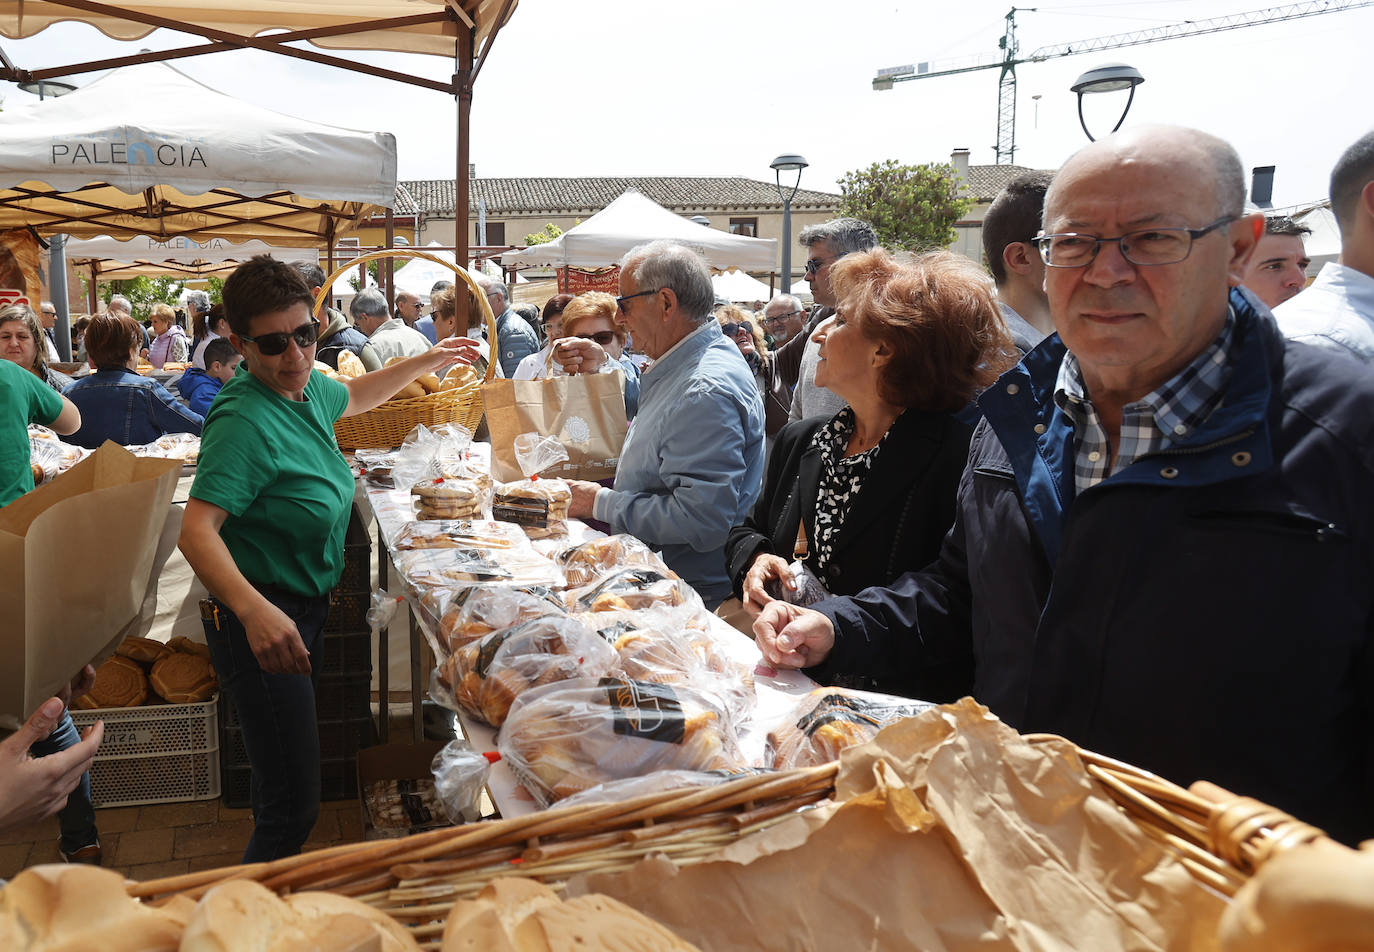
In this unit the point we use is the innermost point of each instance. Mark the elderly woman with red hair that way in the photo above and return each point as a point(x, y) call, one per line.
point(868, 494)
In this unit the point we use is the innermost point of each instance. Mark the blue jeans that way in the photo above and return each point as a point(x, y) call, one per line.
point(76, 820)
point(280, 731)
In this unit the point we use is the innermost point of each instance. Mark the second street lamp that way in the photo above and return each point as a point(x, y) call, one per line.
point(787, 163)
point(1107, 79)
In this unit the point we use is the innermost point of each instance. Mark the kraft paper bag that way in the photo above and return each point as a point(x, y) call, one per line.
point(77, 556)
point(586, 412)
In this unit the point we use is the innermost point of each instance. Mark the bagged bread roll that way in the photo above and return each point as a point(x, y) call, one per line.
point(562, 738)
point(521, 915)
point(446, 568)
point(119, 682)
point(468, 614)
point(829, 720)
point(448, 498)
point(539, 506)
point(184, 679)
point(488, 675)
point(461, 534)
point(632, 589)
point(78, 908)
point(593, 561)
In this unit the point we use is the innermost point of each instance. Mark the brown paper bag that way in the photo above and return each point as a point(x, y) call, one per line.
point(76, 556)
point(586, 412)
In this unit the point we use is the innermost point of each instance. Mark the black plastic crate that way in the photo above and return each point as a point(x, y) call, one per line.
point(338, 781)
point(344, 697)
point(347, 611)
point(357, 570)
point(338, 740)
point(348, 652)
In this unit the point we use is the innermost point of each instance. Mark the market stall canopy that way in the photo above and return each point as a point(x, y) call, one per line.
point(738, 287)
point(146, 150)
point(632, 219)
point(402, 26)
point(179, 257)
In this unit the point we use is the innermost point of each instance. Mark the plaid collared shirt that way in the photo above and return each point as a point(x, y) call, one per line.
point(1150, 424)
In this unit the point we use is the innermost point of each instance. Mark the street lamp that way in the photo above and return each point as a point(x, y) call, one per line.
point(1107, 79)
point(787, 163)
point(43, 88)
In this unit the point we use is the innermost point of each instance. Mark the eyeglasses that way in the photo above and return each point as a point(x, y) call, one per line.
point(620, 301)
point(815, 264)
point(603, 338)
point(731, 330)
point(270, 345)
point(780, 318)
point(1149, 246)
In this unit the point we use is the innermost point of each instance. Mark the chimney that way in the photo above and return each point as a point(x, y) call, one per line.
point(1262, 186)
point(959, 159)
point(472, 170)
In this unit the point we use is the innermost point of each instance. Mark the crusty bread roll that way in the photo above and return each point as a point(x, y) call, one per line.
point(411, 389)
point(242, 916)
point(521, 915)
point(187, 646)
point(462, 375)
point(430, 382)
point(144, 650)
point(184, 679)
point(119, 682)
point(315, 907)
point(78, 908)
point(394, 360)
point(350, 365)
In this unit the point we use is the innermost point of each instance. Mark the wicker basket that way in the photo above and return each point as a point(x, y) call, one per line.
point(415, 880)
point(387, 425)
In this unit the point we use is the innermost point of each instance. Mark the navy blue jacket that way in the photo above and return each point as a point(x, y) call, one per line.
point(1204, 614)
point(198, 389)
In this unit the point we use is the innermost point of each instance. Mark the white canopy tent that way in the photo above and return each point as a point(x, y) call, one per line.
point(146, 150)
point(738, 287)
point(632, 219)
point(110, 258)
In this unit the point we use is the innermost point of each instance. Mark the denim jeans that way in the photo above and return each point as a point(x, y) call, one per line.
point(76, 820)
point(280, 731)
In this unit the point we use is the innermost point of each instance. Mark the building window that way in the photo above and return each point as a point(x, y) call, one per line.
point(496, 233)
point(748, 227)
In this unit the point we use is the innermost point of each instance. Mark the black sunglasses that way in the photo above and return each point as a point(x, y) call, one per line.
point(603, 338)
point(815, 264)
point(730, 330)
point(270, 345)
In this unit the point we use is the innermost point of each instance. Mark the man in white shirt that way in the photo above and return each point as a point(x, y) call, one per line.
point(389, 336)
point(1336, 312)
point(47, 314)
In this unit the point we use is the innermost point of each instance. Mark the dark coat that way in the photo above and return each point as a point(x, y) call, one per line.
point(894, 525)
point(1205, 614)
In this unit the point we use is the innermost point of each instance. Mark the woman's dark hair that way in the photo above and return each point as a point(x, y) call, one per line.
point(111, 340)
point(214, 316)
point(262, 285)
point(553, 307)
point(937, 315)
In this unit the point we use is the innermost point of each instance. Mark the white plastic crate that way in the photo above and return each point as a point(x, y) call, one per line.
point(164, 753)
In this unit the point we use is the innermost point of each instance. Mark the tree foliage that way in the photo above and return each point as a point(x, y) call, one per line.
point(550, 232)
point(910, 206)
point(144, 292)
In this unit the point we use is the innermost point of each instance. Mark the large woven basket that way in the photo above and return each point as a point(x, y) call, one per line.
point(416, 880)
point(388, 424)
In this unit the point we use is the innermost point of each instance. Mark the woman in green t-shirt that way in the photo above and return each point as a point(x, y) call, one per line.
point(264, 530)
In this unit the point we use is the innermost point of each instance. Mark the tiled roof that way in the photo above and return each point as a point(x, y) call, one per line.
point(985, 181)
point(580, 195)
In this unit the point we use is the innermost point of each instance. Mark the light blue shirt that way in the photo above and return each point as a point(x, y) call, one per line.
point(1336, 312)
point(425, 325)
point(692, 465)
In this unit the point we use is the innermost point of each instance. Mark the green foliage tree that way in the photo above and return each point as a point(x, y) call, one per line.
point(144, 292)
point(214, 288)
point(550, 232)
point(910, 206)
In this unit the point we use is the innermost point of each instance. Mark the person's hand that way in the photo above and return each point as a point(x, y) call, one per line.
point(583, 498)
point(80, 684)
point(765, 567)
point(792, 637)
point(578, 355)
point(34, 788)
point(450, 351)
point(275, 640)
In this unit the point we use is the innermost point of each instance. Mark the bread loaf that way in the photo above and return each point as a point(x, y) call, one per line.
point(184, 679)
point(410, 390)
point(463, 375)
point(187, 646)
point(350, 365)
point(430, 382)
point(119, 682)
point(145, 650)
point(80, 908)
point(315, 908)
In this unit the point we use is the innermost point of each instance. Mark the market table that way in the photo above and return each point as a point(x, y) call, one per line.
point(776, 691)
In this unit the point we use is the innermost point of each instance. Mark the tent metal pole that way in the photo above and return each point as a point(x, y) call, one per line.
point(389, 274)
point(462, 181)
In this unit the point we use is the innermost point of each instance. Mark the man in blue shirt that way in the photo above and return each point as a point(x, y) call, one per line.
point(515, 339)
point(692, 465)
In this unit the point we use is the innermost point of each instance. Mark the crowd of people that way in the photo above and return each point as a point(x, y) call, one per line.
point(1116, 486)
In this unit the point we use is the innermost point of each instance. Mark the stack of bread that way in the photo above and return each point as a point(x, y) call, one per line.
point(539, 506)
point(144, 671)
point(454, 499)
point(351, 367)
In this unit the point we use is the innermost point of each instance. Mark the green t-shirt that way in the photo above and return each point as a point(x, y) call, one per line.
point(25, 400)
point(273, 465)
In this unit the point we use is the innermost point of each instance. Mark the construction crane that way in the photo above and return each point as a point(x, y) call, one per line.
point(1006, 84)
